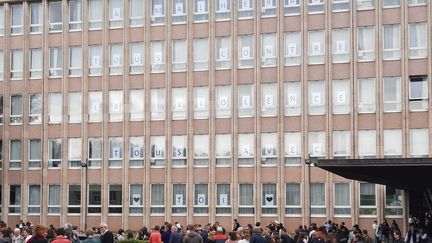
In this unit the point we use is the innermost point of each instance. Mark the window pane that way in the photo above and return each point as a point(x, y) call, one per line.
point(366, 95)
point(317, 98)
point(366, 43)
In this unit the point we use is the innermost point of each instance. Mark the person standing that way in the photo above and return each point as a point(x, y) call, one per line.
point(155, 236)
point(17, 237)
point(192, 236)
point(106, 235)
point(39, 235)
point(90, 237)
point(175, 235)
point(5, 235)
point(60, 238)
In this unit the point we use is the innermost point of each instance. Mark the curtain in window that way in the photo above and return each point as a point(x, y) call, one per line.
point(269, 197)
point(246, 145)
point(342, 194)
point(35, 149)
point(179, 147)
point(419, 142)
point(16, 105)
point(54, 195)
point(367, 194)
point(95, 12)
point(317, 194)
point(201, 146)
point(157, 194)
point(293, 194)
point(136, 195)
point(366, 142)
point(75, 11)
point(341, 143)
point(95, 148)
point(246, 195)
point(223, 145)
point(34, 195)
point(74, 149)
point(393, 142)
point(223, 195)
point(15, 150)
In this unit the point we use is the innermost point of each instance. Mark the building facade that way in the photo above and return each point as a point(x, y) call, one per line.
point(136, 112)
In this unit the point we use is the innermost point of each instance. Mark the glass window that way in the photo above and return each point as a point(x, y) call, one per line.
point(179, 150)
point(292, 48)
point(74, 153)
point(223, 149)
point(246, 149)
point(390, 3)
point(116, 13)
point(391, 42)
point(55, 68)
point(116, 59)
point(1, 109)
point(95, 14)
point(316, 47)
point(136, 155)
point(201, 102)
point(365, 4)
point(136, 200)
point(317, 144)
point(416, 2)
point(223, 101)
point(269, 148)
point(366, 96)
point(54, 152)
point(245, 9)
point(418, 93)
point(268, 8)
point(246, 200)
point(223, 199)
point(179, 199)
point(341, 96)
point(75, 107)
point(201, 10)
point(75, 61)
point(53, 199)
point(269, 199)
point(201, 150)
point(246, 51)
point(392, 143)
point(292, 7)
point(315, 6)
point(157, 12)
point(157, 104)
point(116, 106)
point(17, 64)
point(367, 199)
point(341, 144)
point(157, 55)
point(223, 52)
point(55, 16)
point(16, 110)
point(268, 50)
point(366, 43)
point(419, 142)
point(16, 19)
point(2, 20)
point(269, 100)
point(157, 150)
point(36, 18)
point(417, 40)
point(95, 60)
point(35, 109)
point(179, 12)
point(115, 199)
point(393, 202)
point(1, 157)
point(366, 144)
point(55, 104)
point(14, 199)
point(341, 5)
point(293, 148)
point(74, 199)
point(115, 152)
point(95, 152)
point(342, 199)
point(245, 94)
point(318, 199)
point(201, 199)
point(137, 57)
point(34, 153)
point(94, 199)
point(1, 65)
point(95, 106)
point(293, 199)
point(341, 45)
point(136, 105)
point(200, 54)
point(179, 103)
point(157, 199)
point(15, 153)
point(75, 15)
point(317, 98)
point(36, 63)
point(179, 55)
point(136, 11)
point(223, 10)
point(392, 94)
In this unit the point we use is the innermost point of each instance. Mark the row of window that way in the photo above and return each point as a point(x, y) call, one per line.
point(341, 49)
point(342, 202)
point(269, 150)
point(179, 12)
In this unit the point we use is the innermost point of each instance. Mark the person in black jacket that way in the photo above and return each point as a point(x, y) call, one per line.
point(106, 235)
point(39, 235)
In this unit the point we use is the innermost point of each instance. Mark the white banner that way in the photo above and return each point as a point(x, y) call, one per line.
point(269, 200)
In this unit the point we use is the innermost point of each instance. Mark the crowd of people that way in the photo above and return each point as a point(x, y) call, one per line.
point(275, 232)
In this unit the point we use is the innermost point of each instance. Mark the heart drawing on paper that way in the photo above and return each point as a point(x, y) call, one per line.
point(269, 199)
point(136, 199)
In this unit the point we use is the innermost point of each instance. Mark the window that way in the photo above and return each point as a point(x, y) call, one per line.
point(417, 40)
point(392, 143)
point(1, 65)
point(34, 199)
point(268, 50)
point(316, 47)
point(116, 106)
point(366, 96)
point(223, 149)
point(136, 11)
point(95, 152)
point(1, 109)
point(341, 5)
point(55, 101)
point(342, 199)
point(116, 59)
point(36, 18)
point(245, 9)
point(179, 103)
point(341, 144)
point(341, 45)
point(54, 153)
point(95, 60)
point(16, 110)
point(179, 151)
point(136, 105)
point(75, 107)
point(419, 142)
point(95, 14)
point(366, 43)
point(317, 98)
point(74, 199)
point(392, 94)
point(366, 144)
point(34, 154)
point(179, 55)
point(223, 10)
point(55, 68)
point(391, 42)
point(157, 55)
point(200, 54)
point(246, 200)
point(136, 155)
point(2, 20)
point(55, 16)
point(245, 94)
point(136, 200)
point(292, 7)
point(390, 3)
point(115, 199)
point(268, 8)
point(367, 205)
point(318, 199)
point(223, 199)
point(341, 96)
point(74, 153)
point(292, 48)
point(179, 199)
point(35, 109)
point(317, 144)
point(115, 13)
point(157, 150)
point(201, 199)
point(179, 12)
point(53, 199)
point(418, 93)
point(75, 61)
point(293, 148)
point(223, 101)
point(14, 199)
point(75, 15)
point(157, 12)
point(36, 63)
point(157, 199)
point(95, 106)
point(1, 157)
point(269, 100)
point(201, 102)
point(223, 52)
point(269, 199)
point(393, 202)
point(201, 150)
point(17, 64)
point(136, 58)
point(293, 199)
point(246, 51)
point(416, 2)
point(201, 10)
point(246, 149)
point(365, 4)
point(94, 199)
point(17, 19)
point(115, 152)
point(15, 154)
point(157, 104)
point(269, 151)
